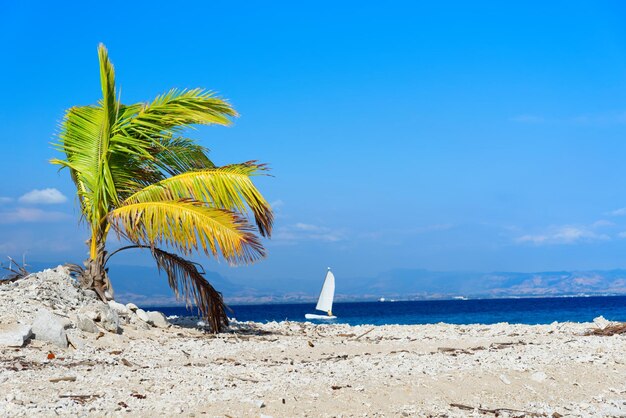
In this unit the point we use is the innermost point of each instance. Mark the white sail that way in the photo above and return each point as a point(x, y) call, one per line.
point(325, 302)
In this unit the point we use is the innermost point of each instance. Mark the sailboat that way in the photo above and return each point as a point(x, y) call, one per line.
point(325, 301)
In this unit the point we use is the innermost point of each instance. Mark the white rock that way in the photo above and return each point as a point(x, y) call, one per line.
point(539, 376)
point(84, 323)
point(131, 307)
point(67, 323)
point(143, 315)
point(49, 327)
point(119, 308)
point(601, 322)
point(158, 319)
point(109, 319)
point(505, 379)
point(90, 294)
point(14, 335)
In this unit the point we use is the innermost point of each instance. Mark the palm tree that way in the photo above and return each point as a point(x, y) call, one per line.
point(136, 174)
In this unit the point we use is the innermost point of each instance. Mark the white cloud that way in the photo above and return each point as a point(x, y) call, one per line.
point(618, 212)
point(563, 235)
point(277, 204)
point(300, 231)
point(602, 223)
point(30, 215)
point(308, 227)
point(394, 232)
point(48, 196)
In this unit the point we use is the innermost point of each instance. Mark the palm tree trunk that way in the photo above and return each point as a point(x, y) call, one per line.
point(95, 275)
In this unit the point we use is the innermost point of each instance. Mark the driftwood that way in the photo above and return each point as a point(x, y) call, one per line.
point(365, 333)
point(16, 270)
point(245, 379)
point(498, 411)
point(63, 379)
point(608, 331)
point(81, 399)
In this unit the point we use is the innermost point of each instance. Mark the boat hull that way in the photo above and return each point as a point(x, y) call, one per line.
point(313, 316)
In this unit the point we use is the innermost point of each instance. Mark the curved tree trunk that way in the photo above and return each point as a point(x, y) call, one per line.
point(95, 275)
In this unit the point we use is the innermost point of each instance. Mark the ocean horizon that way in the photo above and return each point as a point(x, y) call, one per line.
point(530, 310)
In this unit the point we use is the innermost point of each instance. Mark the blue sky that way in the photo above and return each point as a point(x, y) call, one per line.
point(441, 136)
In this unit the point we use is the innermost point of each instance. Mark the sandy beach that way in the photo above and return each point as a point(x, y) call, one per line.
point(300, 369)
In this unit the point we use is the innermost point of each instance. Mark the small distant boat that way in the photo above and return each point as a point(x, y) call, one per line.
point(381, 299)
point(325, 301)
point(460, 298)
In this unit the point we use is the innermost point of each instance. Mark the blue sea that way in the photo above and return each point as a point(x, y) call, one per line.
point(474, 311)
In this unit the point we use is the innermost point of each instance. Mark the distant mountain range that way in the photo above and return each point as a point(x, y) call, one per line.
point(143, 286)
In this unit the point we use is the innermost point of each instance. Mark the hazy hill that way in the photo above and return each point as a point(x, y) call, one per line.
point(144, 285)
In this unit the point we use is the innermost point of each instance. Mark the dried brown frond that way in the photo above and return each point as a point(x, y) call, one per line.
point(187, 281)
point(16, 270)
point(609, 331)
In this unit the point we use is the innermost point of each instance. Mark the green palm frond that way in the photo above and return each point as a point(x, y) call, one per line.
point(169, 113)
point(80, 140)
point(228, 187)
point(178, 155)
point(188, 226)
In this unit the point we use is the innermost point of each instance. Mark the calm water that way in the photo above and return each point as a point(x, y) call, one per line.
point(483, 311)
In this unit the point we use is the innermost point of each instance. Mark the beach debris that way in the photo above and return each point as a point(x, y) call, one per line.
point(63, 379)
point(601, 322)
point(245, 379)
point(609, 330)
point(81, 399)
point(126, 362)
point(497, 411)
point(16, 270)
point(138, 395)
point(365, 333)
point(311, 344)
point(49, 327)
point(454, 351)
point(51, 356)
point(14, 335)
